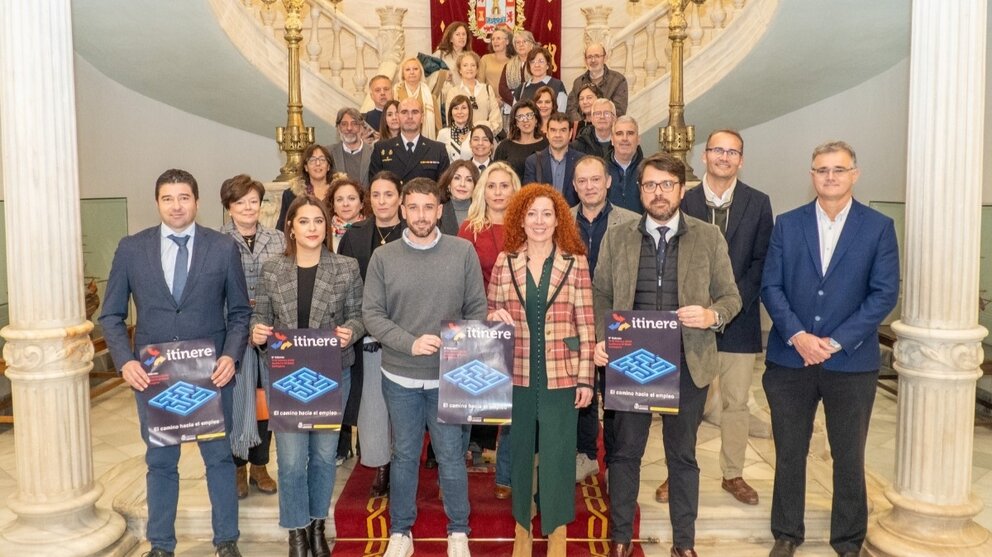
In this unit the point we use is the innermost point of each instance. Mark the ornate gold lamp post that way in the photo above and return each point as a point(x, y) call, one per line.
point(294, 138)
point(676, 138)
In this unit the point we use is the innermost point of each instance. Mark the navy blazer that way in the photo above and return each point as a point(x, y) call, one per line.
point(429, 159)
point(537, 168)
point(214, 303)
point(848, 304)
point(749, 228)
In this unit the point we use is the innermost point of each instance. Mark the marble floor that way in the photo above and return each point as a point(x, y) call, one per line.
point(116, 438)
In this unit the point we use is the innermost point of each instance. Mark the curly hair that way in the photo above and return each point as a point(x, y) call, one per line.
point(566, 236)
point(339, 183)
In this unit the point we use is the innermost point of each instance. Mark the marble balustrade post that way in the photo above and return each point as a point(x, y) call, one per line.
point(48, 350)
point(939, 349)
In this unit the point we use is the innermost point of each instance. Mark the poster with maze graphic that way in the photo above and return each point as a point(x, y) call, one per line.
point(476, 372)
point(182, 404)
point(644, 349)
point(304, 380)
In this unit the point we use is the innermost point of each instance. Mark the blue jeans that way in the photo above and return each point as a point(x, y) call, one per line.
point(162, 482)
point(410, 410)
point(503, 457)
point(307, 471)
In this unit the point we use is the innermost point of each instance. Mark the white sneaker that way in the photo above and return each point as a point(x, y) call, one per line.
point(400, 545)
point(585, 467)
point(458, 545)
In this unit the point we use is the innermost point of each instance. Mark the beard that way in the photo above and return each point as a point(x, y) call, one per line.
point(422, 228)
point(661, 210)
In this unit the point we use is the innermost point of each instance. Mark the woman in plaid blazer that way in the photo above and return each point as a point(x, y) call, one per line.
point(540, 284)
point(309, 288)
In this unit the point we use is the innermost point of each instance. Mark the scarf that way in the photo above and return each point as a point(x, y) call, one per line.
point(458, 133)
point(340, 227)
point(515, 73)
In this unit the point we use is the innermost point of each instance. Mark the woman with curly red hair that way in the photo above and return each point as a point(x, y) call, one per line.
point(540, 285)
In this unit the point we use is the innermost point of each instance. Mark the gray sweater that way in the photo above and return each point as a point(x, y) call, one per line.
point(408, 292)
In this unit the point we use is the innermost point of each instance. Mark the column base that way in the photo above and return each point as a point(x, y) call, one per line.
point(918, 528)
point(100, 533)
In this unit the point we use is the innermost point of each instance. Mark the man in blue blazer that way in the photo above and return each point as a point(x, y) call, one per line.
point(831, 276)
point(409, 155)
point(744, 215)
point(555, 164)
point(187, 283)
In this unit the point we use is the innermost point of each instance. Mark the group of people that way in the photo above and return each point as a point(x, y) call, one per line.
point(388, 232)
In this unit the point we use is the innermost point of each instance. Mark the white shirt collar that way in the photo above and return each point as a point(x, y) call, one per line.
point(421, 247)
point(165, 231)
point(718, 200)
point(673, 226)
point(352, 152)
point(415, 140)
point(841, 216)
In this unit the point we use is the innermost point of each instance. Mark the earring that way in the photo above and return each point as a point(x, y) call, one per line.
point(292, 235)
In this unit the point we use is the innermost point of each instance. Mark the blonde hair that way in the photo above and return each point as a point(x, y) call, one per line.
point(478, 216)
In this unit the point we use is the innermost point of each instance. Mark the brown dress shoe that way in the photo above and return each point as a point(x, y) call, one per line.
point(678, 552)
point(503, 491)
point(621, 549)
point(661, 494)
point(241, 481)
point(741, 491)
point(783, 548)
point(380, 485)
point(259, 477)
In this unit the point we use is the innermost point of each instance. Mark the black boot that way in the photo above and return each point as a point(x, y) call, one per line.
point(299, 545)
point(318, 543)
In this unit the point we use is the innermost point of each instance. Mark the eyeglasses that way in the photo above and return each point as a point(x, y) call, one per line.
point(317, 160)
point(602, 114)
point(720, 151)
point(475, 105)
point(823, 172)
point(666, 186)
point(525, 117)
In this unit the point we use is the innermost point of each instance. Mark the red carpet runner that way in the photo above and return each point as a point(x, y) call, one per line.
point(357, 516)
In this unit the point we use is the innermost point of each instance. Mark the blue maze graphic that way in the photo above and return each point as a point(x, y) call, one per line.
point(643, 366)
point(305, 385)
point(182, 398)
point(475, 377)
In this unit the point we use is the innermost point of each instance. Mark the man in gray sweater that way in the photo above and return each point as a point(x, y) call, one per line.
point(410, 287)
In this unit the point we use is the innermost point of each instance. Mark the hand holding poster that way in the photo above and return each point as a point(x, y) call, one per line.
point(476, 377)
point(644, 348)
point(183, 404)
point(305, 380)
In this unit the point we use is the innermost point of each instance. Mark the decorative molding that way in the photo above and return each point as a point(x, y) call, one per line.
point(939, 356)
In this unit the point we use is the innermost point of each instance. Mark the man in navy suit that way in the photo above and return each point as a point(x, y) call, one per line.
point(187, 283)
point(744, 215)
point(555, 164)
point(831, 276)
point(409, 155)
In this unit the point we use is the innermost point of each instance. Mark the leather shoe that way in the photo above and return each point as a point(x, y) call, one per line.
point(621, 549)
point(740, 490)
point(503, 492)
point(155, 552)
point(241, 481)
point(318, 542)
point(380, 485)
point(677, 552)
point(260, 478)
point(783, 548)
point(299, 543)
point(661, 494)
point(228, 549)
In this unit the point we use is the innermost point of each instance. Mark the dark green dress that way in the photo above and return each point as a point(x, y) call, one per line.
point(544, 418)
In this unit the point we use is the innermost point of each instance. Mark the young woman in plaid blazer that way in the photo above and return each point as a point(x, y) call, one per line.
point(540, 284)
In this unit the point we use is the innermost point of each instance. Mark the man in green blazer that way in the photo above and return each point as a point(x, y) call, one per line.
point(666, 260)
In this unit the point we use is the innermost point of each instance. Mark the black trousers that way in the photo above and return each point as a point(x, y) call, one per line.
point(793, 396)
point(259, 454)
point(588, 428)
point(630, 430)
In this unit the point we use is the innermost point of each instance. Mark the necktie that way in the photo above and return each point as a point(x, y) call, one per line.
point(482, 167)
point(181, 270)
point(409, 147)
point(660, 255)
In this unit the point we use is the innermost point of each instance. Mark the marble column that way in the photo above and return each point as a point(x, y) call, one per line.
point(939, 349)
point(48, 350)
